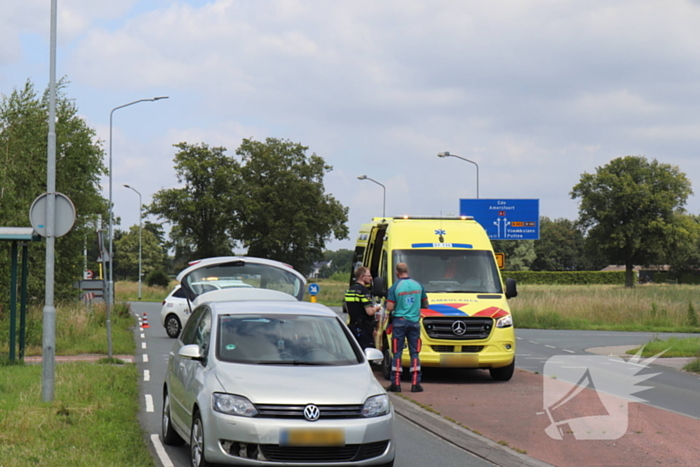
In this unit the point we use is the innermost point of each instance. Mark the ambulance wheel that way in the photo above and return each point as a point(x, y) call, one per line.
point(504, 373)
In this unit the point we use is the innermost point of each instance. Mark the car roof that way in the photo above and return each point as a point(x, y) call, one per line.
point(248, 259)
point(238, 294)
point(272, 307)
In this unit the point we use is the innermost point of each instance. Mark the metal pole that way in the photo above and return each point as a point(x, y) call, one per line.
point(140, 205)
point(13, 300)
point(365, 177)
point(49, 311)
point(447, 154)
point(110, 233)
point(23, 301)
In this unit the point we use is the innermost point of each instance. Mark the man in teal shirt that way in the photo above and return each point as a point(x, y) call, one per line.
point(404, 301)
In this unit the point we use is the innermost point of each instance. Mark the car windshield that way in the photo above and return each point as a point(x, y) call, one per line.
point(466, 271)
point(244, 274)
point(270, 339)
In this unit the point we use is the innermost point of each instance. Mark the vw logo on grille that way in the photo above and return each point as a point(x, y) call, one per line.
point(311, 413)
point(459, 328)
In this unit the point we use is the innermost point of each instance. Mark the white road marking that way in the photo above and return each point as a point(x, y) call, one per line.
point(534, 342)
point(518, 338)
point(570, 351)
point(550, 346)
point(149, 403)
point(160, 450)
point(143, 345)
point(146, 375)
point(143, 336)
point(628, 363)
point(145, 357)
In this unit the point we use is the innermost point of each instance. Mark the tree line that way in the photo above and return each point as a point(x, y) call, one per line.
point(269, 200)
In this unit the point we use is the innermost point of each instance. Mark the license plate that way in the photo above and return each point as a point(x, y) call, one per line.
point(312, 437)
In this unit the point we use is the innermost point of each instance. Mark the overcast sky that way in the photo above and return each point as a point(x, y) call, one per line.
point(535, 92)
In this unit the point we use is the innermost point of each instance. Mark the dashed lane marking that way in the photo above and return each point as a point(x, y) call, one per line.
point(145, 358)
point(534, 342)
point(143, 336)
point(550, 346)
point(143, 345)
point(570, 351)
point(146, 375)
point(149, 403)
point(160, 450)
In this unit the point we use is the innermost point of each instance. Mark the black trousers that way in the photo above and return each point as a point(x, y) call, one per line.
point(364, 333)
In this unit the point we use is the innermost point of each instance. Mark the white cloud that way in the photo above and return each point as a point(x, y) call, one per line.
point(535, 91)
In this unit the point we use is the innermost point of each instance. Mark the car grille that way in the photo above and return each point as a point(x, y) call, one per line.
point(348, 453)
point(457, 349)
point(297, 411)
point(475, 328)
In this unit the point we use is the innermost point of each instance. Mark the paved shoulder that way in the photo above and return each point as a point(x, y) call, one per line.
point(459, 436)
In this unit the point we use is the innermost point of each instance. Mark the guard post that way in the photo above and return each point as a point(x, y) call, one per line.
point(19, 236)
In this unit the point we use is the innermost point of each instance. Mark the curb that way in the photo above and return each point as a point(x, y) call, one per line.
point(462, 437)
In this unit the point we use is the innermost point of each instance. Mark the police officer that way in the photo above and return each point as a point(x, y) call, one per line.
point(358, 303)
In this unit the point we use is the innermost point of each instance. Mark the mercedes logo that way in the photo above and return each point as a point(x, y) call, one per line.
point(311, 413)
point(459, 328)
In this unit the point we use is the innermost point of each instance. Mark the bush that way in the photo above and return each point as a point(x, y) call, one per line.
point(566, 277)
point(158, 278)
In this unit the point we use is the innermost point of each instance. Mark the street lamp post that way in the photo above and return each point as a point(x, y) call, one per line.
point(447, 154)
point(140, 205)
point(110, 281)
point(365, 177)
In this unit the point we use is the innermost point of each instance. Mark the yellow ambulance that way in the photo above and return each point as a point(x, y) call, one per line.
point(468, 323)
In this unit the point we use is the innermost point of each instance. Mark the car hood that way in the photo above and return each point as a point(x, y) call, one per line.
point(273, 384)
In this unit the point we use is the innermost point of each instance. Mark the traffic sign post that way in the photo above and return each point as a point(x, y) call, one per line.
point(314, 289)
point(505, 219)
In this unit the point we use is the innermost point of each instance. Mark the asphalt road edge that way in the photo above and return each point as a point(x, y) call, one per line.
point(469, 441)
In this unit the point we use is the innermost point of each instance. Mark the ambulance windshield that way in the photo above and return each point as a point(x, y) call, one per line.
point(452, 271)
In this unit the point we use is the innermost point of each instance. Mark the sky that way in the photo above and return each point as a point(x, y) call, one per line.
point(534, 92)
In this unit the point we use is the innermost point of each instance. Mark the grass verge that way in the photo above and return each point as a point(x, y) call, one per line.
point(80, 329)
point(91, 422)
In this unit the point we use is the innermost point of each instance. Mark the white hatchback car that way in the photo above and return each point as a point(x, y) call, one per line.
point(176, 310)
point(259, 378)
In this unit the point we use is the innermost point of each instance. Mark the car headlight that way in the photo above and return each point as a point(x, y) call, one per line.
point(505, 322)
point(376, 406)
point(233, 405)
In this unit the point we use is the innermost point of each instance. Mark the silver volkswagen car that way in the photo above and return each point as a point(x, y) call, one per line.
point(260, 378)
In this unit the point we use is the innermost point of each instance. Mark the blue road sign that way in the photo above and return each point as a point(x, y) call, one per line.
point(505, 219)
point(314, 289)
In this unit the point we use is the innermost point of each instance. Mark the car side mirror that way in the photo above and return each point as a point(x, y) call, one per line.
point(191, 352)
point(511, 288)
point(374, 355)
point(379, 287)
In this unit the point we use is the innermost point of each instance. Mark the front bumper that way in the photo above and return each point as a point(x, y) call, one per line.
point(256, 441)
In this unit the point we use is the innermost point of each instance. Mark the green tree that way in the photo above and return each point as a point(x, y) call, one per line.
point(283, 212)
point(519, 254)
point(683, 253)
point(201, 212)
point(341, 261)
point(23, 161)
point(630, 208)
point(127, 253)
point(560, 247)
